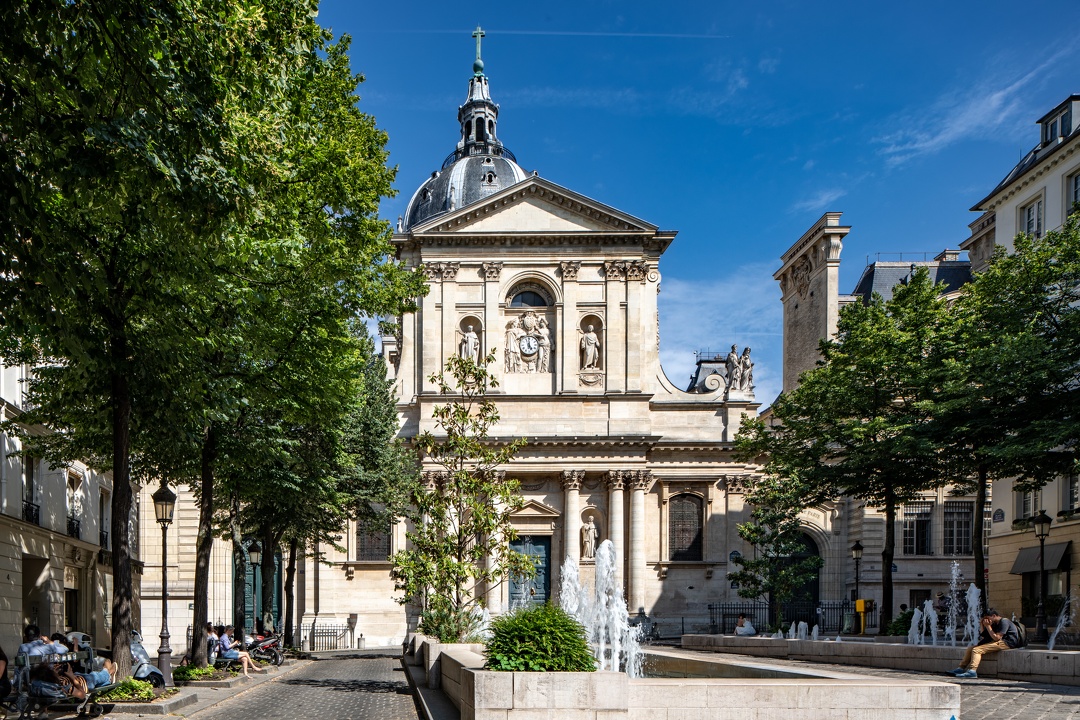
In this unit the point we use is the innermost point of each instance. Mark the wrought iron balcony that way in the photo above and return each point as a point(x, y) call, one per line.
point(103, 539)
point(31, 512)
point(73, 527)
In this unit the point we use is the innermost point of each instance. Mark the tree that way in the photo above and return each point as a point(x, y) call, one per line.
point(774, 573)
point(859, 424)
point(459, 541)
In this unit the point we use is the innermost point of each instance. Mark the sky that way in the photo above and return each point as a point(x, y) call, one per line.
point(736, 124)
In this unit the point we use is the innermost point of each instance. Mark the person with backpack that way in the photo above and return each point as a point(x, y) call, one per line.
point(997, 634)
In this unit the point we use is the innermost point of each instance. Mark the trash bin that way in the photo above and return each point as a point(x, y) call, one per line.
point(851, 622)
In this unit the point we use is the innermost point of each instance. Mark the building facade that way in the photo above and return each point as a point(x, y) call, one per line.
point(55, 566)
point(1036, 196)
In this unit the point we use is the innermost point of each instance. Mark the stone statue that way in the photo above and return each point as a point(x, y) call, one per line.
point(734, 369)
point(543, 337)
point(588, 540)
point(746, 371)
point(470, 344)
point(590, 349)
point(513, 352)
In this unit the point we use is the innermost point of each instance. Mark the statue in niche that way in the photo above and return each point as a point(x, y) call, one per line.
point(590, 349)
point(746, 371)
point(543, 338)
point(588, 540)
point(733, 364)
point(470, 344)
point(514, 334)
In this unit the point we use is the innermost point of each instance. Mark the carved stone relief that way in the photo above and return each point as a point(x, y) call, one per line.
point(442, 271)
point(528, 345)
point(491, 270)
point(570, 269)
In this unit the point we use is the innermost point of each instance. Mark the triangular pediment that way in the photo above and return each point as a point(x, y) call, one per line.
point(534, 509)
point(535, 206)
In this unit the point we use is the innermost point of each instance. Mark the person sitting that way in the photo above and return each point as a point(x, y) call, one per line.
point(997, 634)
point(5, 684)
point(743, 626)
point(34, 645)
point(228, 648)
point(56, 682)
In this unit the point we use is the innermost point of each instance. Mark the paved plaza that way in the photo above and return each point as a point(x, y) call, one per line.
point(340, 689)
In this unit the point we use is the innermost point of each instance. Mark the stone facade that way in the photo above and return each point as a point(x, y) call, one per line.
point(54, 538)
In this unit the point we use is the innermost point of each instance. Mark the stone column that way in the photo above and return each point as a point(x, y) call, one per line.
point(570, 339)
point(616, 488)
point(571, 482)
point(641, 481)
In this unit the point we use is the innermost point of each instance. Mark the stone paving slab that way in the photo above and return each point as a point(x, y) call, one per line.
point(980, 699)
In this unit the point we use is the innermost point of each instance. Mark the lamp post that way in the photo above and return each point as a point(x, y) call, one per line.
point(856, 555)
point(1041, 523)
point(255, 555)
point(164, 504)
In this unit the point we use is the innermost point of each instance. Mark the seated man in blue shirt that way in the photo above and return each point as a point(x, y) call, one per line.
point(35, 645)
point(997, 634)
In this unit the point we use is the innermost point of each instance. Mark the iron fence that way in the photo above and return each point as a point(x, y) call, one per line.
point(31, 512)
point(829, 617)
point(324, 637)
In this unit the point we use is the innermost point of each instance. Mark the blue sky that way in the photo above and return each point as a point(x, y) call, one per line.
point(737, 124)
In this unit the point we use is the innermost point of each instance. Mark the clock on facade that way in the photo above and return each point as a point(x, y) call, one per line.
point(528, 345)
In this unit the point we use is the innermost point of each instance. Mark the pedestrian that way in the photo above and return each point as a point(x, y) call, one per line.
point(229, 650)
point(997, 634)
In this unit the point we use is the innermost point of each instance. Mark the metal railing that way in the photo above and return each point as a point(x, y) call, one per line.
point(73, 527)
point(479, 148)
point(103, 539)
point(828, 616)
point(31, 512)
point(324, 637)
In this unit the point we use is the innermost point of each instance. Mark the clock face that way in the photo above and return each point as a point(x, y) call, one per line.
point(528, 345)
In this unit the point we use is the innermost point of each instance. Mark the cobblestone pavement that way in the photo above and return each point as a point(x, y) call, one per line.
point(982, 698)
point(340, 689)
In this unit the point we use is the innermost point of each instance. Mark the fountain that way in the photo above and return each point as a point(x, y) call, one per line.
point(814, 633)
point(1065, 618)
point(974, 615)
point(791, 631)
point(953, 613)
point(615, 642)
point(801, 634)
point(930, 619)
point(914, 635)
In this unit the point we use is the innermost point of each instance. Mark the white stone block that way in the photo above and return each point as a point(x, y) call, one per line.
point(532, 690)
point(490, 690)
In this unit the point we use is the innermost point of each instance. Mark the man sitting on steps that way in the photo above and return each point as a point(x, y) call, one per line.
point(997, 634)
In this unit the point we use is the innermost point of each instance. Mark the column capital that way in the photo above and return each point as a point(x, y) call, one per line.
point(642, 479)
point(570, 269)
point(571, 479)
point(616, 479)
point(433, 479)
point(491, 270)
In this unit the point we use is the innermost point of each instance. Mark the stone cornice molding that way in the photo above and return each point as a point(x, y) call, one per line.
point(571, 479)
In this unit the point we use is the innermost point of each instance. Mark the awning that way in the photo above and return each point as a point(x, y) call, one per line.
point(1027, 560)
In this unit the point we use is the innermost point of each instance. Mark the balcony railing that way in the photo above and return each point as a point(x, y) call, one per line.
point(31, 512)
point(73, 527)
point(103, 539)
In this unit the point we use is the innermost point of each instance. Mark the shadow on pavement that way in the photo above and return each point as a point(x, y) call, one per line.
point(343, 685)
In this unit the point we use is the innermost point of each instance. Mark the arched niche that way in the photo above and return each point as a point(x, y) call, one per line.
point(592, 343)
point(471, 338)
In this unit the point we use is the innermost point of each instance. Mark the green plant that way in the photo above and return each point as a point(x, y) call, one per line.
point(130, 690)
point(901, 624)
point(541, 638)
point(447, 624)
point(192, 672)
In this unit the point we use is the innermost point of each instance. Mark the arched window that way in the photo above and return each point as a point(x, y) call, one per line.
point(480, 130)
point(685, 524)
point(528, 298)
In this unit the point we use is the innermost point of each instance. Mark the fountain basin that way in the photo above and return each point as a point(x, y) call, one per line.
point(691, 687)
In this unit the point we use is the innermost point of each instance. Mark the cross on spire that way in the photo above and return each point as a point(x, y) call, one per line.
point(478, 64)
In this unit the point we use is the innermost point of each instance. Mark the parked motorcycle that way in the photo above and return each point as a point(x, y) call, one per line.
point(265, 648)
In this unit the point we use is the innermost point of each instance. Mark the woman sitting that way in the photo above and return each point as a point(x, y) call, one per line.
point(228, 648)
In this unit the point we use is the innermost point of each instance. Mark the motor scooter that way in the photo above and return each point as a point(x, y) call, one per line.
point(141, 666)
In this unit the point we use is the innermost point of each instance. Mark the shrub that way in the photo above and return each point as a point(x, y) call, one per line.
point(129, 690)
point(539, 639)
point(448, 625)
point(191, 672)
point(901, 624)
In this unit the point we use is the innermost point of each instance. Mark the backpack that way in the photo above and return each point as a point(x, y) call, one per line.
point(1021, 634)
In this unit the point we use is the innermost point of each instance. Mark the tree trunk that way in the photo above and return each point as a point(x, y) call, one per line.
point(290, 577)
point(269, 550)
point(977, 535)
point(887, 555)
point(203, 547)
point(121, 512)
point(239, 573)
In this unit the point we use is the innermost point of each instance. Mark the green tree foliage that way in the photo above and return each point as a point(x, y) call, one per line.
point(543, 638)
point(774, 573)
point(860, 424)
point(460, 516)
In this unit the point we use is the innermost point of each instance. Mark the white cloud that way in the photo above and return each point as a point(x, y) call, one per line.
point(768, 65)
point(742, 307)
point(820, 200)
point(808, 165)
point(961, 115)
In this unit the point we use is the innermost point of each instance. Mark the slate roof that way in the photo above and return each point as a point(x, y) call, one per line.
point(882, 277)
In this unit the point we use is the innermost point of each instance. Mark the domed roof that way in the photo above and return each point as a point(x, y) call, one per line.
point(479, 167)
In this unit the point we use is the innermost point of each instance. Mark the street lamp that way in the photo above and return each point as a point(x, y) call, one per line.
point(255, 555)
point(1041, 523)
point(856, 555)
point(164, 504)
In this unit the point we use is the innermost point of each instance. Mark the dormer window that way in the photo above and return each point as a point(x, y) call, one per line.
point(1058, 126)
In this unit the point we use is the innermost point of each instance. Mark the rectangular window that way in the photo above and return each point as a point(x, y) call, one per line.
point(1029, 504)
point(1074, 193)
point(917, 528)
point(1032, 218)
point(372, 542)
point(1072, 492)
point(959, 524)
